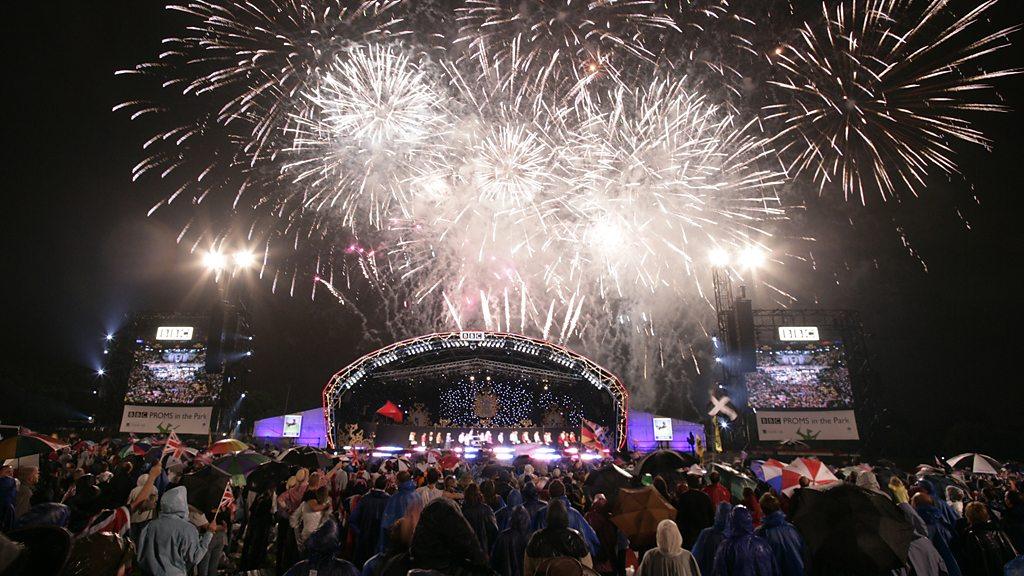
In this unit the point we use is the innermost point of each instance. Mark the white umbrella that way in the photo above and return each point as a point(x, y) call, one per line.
point(977, 463)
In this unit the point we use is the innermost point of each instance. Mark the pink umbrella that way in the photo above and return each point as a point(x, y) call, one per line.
point(810, 468)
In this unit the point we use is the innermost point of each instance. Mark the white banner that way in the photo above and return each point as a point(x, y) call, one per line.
point(164, 419)
point(807, 425)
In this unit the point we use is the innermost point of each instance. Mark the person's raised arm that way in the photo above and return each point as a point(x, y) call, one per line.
point(154, 472)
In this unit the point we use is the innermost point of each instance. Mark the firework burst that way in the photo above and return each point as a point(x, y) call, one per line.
point(876, 92)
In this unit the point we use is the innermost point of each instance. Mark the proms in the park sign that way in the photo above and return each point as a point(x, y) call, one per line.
point(164, 419)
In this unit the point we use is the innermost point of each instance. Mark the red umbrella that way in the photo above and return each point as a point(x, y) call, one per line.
point(449, 461)
point(389, 410)
point(810, 468)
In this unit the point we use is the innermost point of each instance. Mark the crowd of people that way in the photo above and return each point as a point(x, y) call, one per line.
point(90, 511)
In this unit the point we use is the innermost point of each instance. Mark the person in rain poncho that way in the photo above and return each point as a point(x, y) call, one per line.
point(504, 514)
point(783, 537)
point(531, 499)
point(510, 546)
point(557, 539)
point(669, 558)
point(709, 538)
point(742, 553)
point(322, 548)
point(169, 545)
point(938, 531)
point(444, 541)
point(396, 506)
point(556, 490)
point(899, 490)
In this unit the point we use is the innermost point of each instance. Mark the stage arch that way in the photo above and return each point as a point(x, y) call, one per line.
point(474, 351)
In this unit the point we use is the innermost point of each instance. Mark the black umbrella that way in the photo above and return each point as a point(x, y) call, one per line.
point(268, 475)
point(850, 530)
point(668, 464)
point(306, 457)
point(607, 481)
point(205, 487)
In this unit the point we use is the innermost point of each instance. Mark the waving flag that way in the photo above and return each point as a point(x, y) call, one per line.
point(173, 446)
point(389, 410)
point(592, 435)
point(227, 498)
point(117, 521)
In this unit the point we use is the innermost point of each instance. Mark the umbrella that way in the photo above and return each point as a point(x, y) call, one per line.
point(227, 446)
point(734, 480)
point(449, 461)
point(268, 475)
point(668, 464)
point(305, 457)
point(26, 445)
point(810, 468)
point(977, 463)
point(398, 464)
point(850, 530)
point(770, 472)
point(607, 480)
point(83, 445)
point(205, 487)
point(134, 449)
point(638, 512)
point(240, 463)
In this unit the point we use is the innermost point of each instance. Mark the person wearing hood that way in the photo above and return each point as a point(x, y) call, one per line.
point(985, 548)
point(531, 499)
point(783, 537)
point(170, 545)
point(710, 538)
point(321, 559)
point(669, 558)
point(503, 515)
point(948, 514)
point(899, 490)
point(257, 530)
point(365, 521)
point(938, 531)
point(556, 539)
point(445, 542)
point(742, 553)
point(396, 506)
point(556, 490)
point(480, 517)
point(510, 545)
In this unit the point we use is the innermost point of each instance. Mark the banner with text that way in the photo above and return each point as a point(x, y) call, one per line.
point(807, 425)
point(163, 419)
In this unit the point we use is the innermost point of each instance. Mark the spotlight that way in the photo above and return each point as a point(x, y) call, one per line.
point(101, 372)
point(214, 261)
point(243, 394)
point(244, 258)
point(752, 257)
point(110, 337)
point(719, 257)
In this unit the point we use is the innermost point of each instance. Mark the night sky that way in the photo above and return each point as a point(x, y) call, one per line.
point(80, 252)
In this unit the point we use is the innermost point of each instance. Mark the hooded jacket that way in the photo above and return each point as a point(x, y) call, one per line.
point(695, 512)
point(707, 542)
point(940, 535)
point(669, 558)
point(576, 521)
point(556, 539)
point(366, 523)
point(504, 514)
point(481, 520)
point(170, 545)
point(742, 553)
point(531, 499)
point(443, 541)
point(510, 546)
point(322, 548)
point(395, 509)
point(786, 543)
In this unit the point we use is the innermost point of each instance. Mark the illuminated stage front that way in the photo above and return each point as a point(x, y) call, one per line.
point(478, 381)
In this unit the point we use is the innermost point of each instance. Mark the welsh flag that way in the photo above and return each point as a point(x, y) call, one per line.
point(592, 435)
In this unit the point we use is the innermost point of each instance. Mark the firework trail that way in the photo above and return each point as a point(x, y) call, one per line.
point(876, 92)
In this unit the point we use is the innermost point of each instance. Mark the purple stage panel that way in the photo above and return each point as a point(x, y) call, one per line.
point(641, 433)
point(313, 431)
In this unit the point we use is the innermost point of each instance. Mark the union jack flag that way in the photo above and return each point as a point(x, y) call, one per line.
point(227, 498)
point(174, 446)
point(593, 435)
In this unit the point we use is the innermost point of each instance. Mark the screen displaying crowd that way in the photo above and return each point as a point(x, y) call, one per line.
point(171, 375)
point(800, 376)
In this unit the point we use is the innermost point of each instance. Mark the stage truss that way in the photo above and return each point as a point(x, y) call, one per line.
point(375, 364)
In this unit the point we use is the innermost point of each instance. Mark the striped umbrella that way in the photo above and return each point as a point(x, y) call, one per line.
point(810, 468)
point(977, 463)
point(770, 472)
point(27, 444)
point(227, 446)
